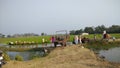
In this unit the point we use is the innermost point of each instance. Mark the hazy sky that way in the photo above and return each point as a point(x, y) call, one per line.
point(37, 16)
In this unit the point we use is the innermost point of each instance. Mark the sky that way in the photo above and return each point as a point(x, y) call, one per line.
point(49, 16)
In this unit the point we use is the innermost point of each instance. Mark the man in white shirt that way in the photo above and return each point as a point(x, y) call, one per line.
point(1, 58)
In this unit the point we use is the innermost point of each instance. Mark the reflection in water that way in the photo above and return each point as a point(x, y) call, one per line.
point(112, 55)
point(26, 55)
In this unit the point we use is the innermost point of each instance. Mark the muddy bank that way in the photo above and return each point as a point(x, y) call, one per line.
point(67, 57)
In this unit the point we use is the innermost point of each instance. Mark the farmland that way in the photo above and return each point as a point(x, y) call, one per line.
point(38, 39)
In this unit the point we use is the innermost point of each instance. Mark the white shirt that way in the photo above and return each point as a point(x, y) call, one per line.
point(1, 58)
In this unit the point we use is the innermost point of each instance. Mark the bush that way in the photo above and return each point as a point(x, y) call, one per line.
point(18, 58)
point(6, 57)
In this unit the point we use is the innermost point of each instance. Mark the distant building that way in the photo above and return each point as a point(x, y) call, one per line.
point(85, 33)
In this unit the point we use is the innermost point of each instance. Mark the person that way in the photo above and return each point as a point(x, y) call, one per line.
point(43, 41)
point(76, 39)
point(1, 59)
point(52, 39)
point(113, 38)
point(104, 34)
point(80, 40)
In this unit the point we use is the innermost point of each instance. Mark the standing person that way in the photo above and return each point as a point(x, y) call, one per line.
point(43, 41)
point(76, 39)
point(52, 39)
point(80, 40)
point(104, 34)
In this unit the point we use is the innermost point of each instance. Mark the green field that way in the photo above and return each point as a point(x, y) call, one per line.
point(38, 39)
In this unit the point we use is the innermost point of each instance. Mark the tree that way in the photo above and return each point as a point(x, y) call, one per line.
point(72, 32)
point(89, 30)
point(42, 34)
point(114, 29)
point(75, 32)
point(100, 29)
point(81, 31)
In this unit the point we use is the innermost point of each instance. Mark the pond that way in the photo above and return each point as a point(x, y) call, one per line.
point(112, 55)
point(27, 55)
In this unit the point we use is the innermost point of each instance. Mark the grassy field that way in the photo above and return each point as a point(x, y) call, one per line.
point(38, 39)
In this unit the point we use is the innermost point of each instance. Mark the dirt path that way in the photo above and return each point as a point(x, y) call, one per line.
point(67, 57)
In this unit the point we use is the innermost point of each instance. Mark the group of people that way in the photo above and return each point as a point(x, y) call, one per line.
point(44, 41)
point(107, 36)
point(22, 43)
point(77, 39)
point(56, 40)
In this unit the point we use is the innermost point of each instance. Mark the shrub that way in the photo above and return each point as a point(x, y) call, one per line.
point(6, 57)
point(18, 58)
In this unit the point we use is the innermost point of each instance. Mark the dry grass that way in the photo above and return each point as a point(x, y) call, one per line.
point(67, 57)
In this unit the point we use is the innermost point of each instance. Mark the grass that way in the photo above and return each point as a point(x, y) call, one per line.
point(102, 45)
point(37, 39)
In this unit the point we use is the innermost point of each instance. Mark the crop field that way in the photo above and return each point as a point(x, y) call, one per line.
point(38, 39)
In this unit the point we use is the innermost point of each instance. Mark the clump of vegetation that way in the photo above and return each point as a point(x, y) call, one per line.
point(6, 57)
point(102, 45)
point(18, 58)
point(34, 57)
point(38, 56)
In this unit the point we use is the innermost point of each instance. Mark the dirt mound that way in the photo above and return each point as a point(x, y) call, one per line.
point(67, 57)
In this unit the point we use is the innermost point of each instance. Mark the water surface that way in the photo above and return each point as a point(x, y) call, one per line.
point(112, 55)
point(26, 55)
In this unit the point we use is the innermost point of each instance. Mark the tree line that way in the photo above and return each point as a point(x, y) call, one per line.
point(21, 35)
point(91, 30)
point(18, 35)
point(97, 30)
